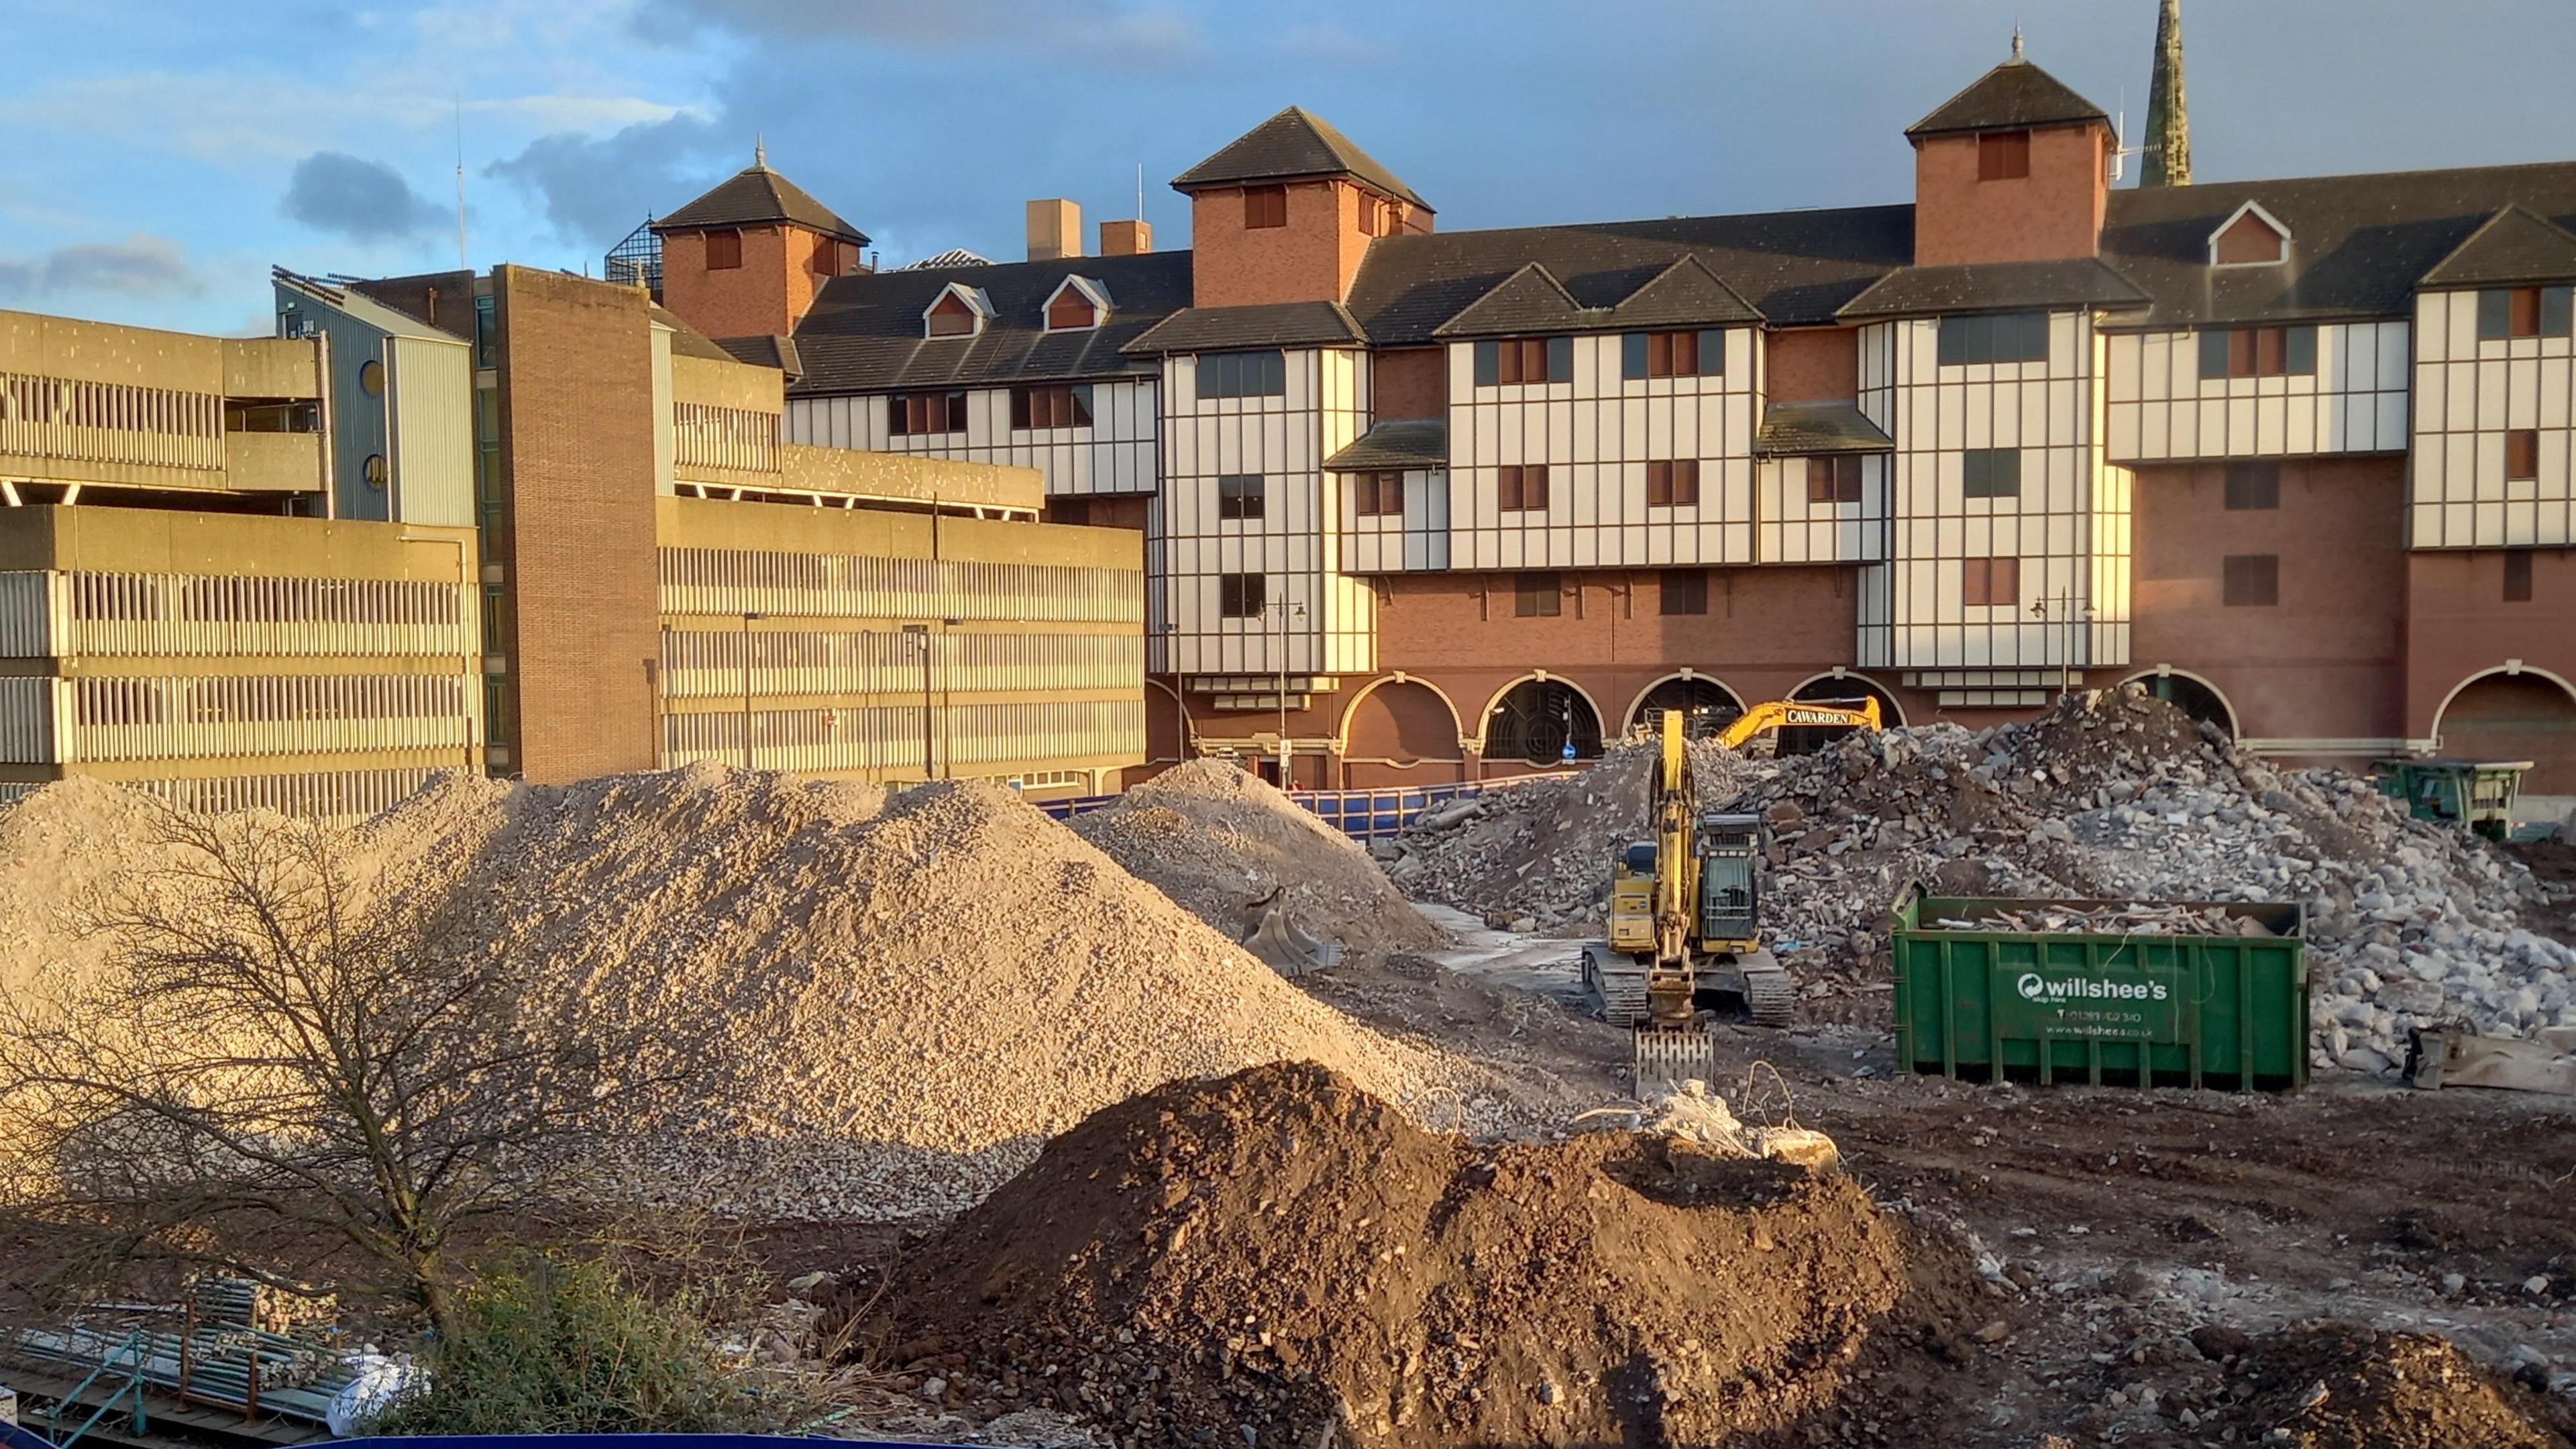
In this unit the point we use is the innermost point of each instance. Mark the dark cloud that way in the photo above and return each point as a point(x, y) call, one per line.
point(596, 189)
point(356, 199)
point(142, 265)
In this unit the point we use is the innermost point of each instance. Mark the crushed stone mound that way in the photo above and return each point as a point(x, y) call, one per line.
point(1216, 838)
point(2340, 1386)
point(1258, 1259)
point(890, 1001)
point(61, 848)
point(1541, 849)
point(2109, 794)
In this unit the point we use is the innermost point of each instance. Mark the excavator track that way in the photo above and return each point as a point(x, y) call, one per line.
point(1770, 997)
point(1619, 994)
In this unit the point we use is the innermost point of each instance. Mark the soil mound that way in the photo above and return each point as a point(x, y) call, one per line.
point(2339, 1386)
point(1216, 838)
point(1254, 1259)
point(887, 1001)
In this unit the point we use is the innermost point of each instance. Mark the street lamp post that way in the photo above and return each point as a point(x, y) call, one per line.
point(746, 686)
point(920, 634)
point(1285, 609)
point(2070, 614)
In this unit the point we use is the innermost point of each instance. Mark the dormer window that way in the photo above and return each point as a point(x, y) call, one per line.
point(2252, 237)
point(960, 311)
point(2003, 156)
point(1079, 304)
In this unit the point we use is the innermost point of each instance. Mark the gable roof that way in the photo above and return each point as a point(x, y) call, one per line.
point(1529, 300)
point(2253, 211)
point(2513, 246)
point(1294, 144)
point(2364, 242)
point(756, 194)
point(1094, 292)
point(2013, 94)
point(1266, 324)
point(864, 331)
point(1993, 287)
point(1685, 294)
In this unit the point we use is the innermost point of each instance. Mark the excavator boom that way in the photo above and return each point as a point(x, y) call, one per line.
point(1786, 713)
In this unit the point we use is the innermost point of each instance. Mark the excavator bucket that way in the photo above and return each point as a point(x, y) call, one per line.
point(1667, 1058)
point(1278, 939)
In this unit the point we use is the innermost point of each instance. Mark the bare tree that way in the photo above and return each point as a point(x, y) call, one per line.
point(286, 1077)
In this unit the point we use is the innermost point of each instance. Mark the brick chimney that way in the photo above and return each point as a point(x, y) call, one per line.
point(1055, 229)
point(1131, 238)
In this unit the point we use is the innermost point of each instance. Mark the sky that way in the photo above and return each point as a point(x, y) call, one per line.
point(163, 154)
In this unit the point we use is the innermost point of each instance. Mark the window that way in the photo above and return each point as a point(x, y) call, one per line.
point(371, 378)
point(2524, 312)
point(1685, 591)
point(487, 331)
point(1378, 495)
point(1521, 488)
point(952, 316)
point(2000, 337)
point(1525, 359)
point(926, 412)
point(1241, 596)
point(2258, 352)
point(2252, 580)
point(1239, 495)
point(1674, 484)
point(1071, 312)
point(1242, 374)
point(2517, 576)
point(2522, 455)
point(1538, 596)
point(827, 257)
point(724, 250)
point(1051, 407)
point(1990, 473)
point(2003, 155)
point(1265, 206)
point(1834, 479)
point(2253, 485)
point(1673, 354)
point(1990, 582)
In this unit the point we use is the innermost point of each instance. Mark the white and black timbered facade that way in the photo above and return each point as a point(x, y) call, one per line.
point(2026, 431)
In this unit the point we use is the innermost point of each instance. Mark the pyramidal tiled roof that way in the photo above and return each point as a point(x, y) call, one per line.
point(2015, 93)
point(754, 195)
point(2513, 246)
point(1292, 144)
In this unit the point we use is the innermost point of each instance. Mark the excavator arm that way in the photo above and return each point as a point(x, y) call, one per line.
point(1784, 713)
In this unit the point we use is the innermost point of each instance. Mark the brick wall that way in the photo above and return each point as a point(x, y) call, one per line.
point(765, 296)
point(2459, 626)
point(2055, 211)
point(577, 429)
point(2327, 661)
point(1812, 364)
point(1311, 259)
point(1410, 382)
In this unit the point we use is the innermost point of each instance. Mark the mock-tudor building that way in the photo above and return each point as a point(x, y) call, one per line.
point(2295, 452)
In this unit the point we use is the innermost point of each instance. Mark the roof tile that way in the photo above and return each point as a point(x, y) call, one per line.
point(1294, 143)
point(757, 194)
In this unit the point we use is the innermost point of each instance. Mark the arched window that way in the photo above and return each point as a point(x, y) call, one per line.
point(1538, 719)
point(1708, 705)
point(1807, 739)
point(2190, 696)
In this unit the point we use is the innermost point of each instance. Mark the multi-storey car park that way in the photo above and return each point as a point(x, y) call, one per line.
point(2296, 453)
point(520, 522)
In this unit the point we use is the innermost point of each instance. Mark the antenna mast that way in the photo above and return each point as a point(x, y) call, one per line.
point(461, 263)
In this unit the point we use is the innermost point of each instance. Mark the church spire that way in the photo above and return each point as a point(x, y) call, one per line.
point(2168, 138)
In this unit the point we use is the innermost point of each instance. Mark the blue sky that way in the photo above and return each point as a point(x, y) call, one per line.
point(163, 155)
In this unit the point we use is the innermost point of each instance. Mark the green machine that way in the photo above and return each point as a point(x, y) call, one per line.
point(2476, 793)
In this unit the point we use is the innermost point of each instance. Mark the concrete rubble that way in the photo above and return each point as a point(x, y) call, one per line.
point(2111, 795)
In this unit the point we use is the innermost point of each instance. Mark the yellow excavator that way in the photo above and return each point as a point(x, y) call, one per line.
point(1685, 911)
point(1785, 713)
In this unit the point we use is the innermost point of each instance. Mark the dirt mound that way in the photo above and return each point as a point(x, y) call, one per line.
point(1543, 849)
point(1215, 838)
point(60, 847)
point(1253, 1259)
point(889, 1001)
point(2338, 1386)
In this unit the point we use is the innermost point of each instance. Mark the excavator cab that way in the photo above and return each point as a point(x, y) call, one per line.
point(1729, 892)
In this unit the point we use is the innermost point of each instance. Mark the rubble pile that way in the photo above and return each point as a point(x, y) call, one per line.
point(1277, 1260)
point(2115, 795)
point(2116, 918)
point(885, 1002)
point(1535, 855)
point(1216, 839)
